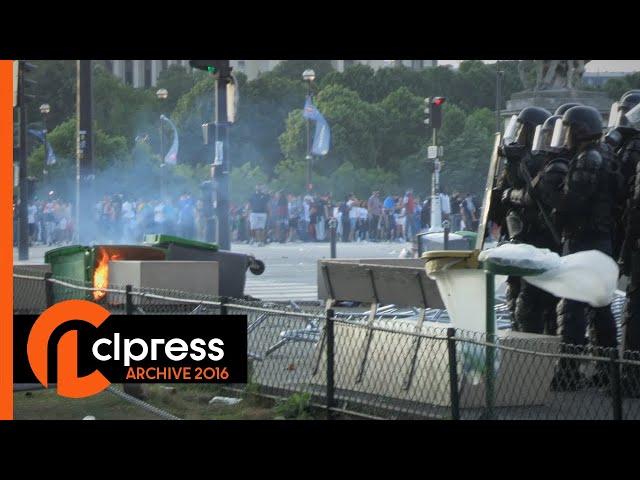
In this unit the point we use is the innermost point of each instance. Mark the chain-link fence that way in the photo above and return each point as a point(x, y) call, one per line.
point(387, 363)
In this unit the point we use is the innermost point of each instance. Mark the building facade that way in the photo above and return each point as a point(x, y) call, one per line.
point(144, 73)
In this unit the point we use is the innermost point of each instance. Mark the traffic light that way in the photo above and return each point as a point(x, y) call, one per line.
point(436, 111)
point(220, 68)
point(427, 111)
point(25, 84)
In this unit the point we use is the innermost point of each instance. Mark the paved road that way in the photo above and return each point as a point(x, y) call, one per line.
point(291, 268)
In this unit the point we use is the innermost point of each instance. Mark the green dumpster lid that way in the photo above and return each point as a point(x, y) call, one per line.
point(63, 251)
point(161, 240)
point(466, 233)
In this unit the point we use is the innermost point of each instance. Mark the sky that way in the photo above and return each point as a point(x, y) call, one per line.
point(592, 66)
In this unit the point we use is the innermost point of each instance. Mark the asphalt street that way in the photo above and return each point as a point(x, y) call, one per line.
point(291, 268)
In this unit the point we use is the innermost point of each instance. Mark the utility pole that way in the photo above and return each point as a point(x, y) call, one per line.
point(221, 167)
point(435, 152)
point(85, 200)
point(23, 206)
point(221, 164)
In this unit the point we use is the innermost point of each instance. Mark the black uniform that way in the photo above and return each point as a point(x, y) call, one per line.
point(623, 142)
point(583, 205)
point(515, 217)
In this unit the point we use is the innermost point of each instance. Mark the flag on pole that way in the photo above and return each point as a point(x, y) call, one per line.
point(50, 155)
point(322, 136)
point(172, 155)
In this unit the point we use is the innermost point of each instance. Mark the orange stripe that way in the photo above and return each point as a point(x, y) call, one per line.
point(6, 239)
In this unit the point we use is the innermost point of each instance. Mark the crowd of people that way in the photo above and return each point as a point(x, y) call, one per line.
point(50, 222)
point(266, 217)
point(285, 217)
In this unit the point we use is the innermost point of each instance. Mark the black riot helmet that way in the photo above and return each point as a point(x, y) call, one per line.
point(544, 134)
point(618, 110)
point(628, 101)
point(629, 92)
point(579, 124)
point(528, 119)
point(563, 108)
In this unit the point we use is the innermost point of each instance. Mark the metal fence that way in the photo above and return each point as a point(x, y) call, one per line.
point(392, 363)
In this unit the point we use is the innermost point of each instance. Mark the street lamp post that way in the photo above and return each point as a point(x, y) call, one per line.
point(45, 108)
point(162, 94)
point(309, 75)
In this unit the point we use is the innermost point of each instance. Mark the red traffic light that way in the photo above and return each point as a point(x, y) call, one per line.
point(438, 100)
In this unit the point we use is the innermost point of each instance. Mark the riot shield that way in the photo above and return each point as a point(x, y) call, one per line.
point(492, 177)
point(614, 116)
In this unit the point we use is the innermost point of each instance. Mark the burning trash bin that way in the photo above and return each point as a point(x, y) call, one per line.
point(89, 267)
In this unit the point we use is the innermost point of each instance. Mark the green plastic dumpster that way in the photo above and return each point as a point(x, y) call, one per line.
point(232, 265)
point(78, 264)
point(470, 236)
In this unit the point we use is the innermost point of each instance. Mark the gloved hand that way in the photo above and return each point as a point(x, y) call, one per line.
point(515, 197)
point(514, 151)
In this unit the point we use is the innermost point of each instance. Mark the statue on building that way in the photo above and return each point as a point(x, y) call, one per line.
point(553, 74)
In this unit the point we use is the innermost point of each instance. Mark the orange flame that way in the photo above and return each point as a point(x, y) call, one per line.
point(101, 275)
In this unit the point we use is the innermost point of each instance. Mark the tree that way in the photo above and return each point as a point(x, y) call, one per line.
point(244, 179)
point(354, 130)
point(56, 85)
point(453, 120)
point(387, 80)
point(356, 77)
point(178, 82)
point(292, 69)
point(403, 131)
point(123, 110)
point(467, 156)
point(477, 77)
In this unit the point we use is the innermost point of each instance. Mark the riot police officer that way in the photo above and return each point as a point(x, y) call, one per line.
point(535, 308)
point(583, 204)
point(516, 151)
point(625, 140)
point(617, 145)
point(564, 107)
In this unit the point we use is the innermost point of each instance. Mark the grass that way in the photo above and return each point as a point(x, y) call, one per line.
point(186, 401)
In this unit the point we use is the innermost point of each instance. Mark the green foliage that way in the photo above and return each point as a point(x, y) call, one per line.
point(56, 85)
point(356, 77)
point(453, 122)
point(295, 407)
point(616, 87)
point(243, 182)
point(292, 69)
point(353, 133)
point(402, 130)
point(178, 82)
point(467, 157)
point(376, 117)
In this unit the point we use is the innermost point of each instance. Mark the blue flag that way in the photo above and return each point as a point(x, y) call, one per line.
point(322, 137)
point(172, 155)
point(40, 135)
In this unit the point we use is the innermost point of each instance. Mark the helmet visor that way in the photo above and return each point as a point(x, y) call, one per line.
point(537, 145)
point(560, 132)
point(633, 117)
point(614, 115)
point(510, 131)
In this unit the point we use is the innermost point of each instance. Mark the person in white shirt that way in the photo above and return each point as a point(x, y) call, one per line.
point(363, 223)
point(32, 210)
point(445, 205)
